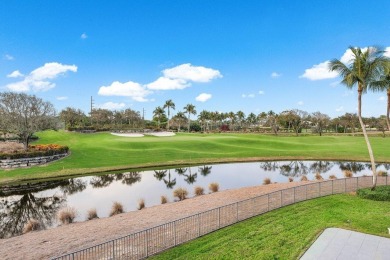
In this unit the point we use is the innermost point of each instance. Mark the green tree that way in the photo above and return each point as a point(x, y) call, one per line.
point(364, 68)
point(23, 115)
point(159, 114)
point(189, 109)
point(169, 104)
point(383, 84)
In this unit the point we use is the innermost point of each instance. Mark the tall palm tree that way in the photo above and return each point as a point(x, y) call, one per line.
point(169, 104)
point(383, 84)
point(180, 119)
point(364, 68)
point(240, 116)
point(190, 109)
point(159, 113)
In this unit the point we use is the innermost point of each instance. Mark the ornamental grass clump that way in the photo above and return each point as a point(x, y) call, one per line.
point(67, 215)
point(319, 177)
point(348, 174)
point(304, 178)
point(198, 191)
point(290, 179)
point(31, 225)
point(382, 173)
point(213, 187)
point(266, 181)
point(180, 193)
point(332, 177)
point(141, 204)
point(117, 208)
point(163, 199)
point(92, 214)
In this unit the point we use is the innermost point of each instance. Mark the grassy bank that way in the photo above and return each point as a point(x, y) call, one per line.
point(103, 152)
point(287, 232)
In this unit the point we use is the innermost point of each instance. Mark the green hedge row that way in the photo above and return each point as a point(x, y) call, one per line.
point(32, 154)
point(381, 193)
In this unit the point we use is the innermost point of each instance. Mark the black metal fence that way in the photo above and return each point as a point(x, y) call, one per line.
point(157, 239)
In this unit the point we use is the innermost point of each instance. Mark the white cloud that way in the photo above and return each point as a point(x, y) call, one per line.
point(387, 52)
point(39, 79)
point(300, 103)
point(62, 98)
point(382, 98)
point(319, 71)
point(275, 75)
point(112, 106)
point(15, 74)
point(261, 92)
point(84, 36)
point(341, 108)
point(248, 96)
point(189, 72)
point(203, 97)
point(8, 57)
point(127, 89)
point(164, 83)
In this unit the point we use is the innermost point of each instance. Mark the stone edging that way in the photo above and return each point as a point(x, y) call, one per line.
point(26, 162)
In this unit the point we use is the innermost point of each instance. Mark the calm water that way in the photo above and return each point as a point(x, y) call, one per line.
point(42, 200)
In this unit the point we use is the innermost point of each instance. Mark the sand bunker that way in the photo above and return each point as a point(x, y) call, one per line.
point(128, 134)
point(162, 134)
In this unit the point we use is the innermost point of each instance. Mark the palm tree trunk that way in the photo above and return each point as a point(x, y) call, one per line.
point(388, 110)
point(189, 122)
point(370, 152)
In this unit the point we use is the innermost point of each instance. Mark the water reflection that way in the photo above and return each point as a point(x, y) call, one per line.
point(42, 200)
point(17, 209)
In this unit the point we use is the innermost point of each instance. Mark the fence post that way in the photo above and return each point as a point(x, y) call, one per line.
point(332, 187)
point(345, 184)
point(219, 217)
point(319, 189)
point(357, 183)
point(198, 224)
point(268, 202)
point(237, 210)
point(147, 243)
point(174, 231)
point(113, 249)
point(294, 194)
point(281, 198)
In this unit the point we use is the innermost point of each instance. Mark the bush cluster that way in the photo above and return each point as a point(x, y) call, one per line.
point(36, 151)
point(381, 193)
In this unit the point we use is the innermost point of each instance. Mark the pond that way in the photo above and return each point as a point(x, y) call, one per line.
point(42, 200)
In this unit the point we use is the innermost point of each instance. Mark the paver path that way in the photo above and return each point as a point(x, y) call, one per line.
point(341, 244)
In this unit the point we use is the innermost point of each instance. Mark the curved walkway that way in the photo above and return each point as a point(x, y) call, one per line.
point(68, 238)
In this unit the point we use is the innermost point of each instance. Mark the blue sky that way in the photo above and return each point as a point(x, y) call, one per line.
point(222, 56)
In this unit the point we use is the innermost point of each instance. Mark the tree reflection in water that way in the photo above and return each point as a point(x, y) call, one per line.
point(159, 175)
point(191, 177)
point(19, 207)
point(205, 170)
point(103, 181)
point(168, 182)
point(354, 167)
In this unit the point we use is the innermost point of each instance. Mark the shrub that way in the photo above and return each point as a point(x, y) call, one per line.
point(116, 209)
point(348, 174)
point(381, 193)
point(36, 151)
point(304, 178)
point(332, 177)
point(164, 199)
point(290, 179)
point(31, 225)
point(180, 193)
point(67, 215)
point(141, 204)
point(318, 176)
point(266, 181)
point(213, 187)
point(198, 191)
point(92, 214)
point(382, 173)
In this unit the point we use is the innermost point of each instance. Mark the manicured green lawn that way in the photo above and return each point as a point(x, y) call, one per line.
point(102, 151)
point(287, 232)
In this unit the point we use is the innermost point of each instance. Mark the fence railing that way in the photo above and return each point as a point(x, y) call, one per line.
point(151, 241)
